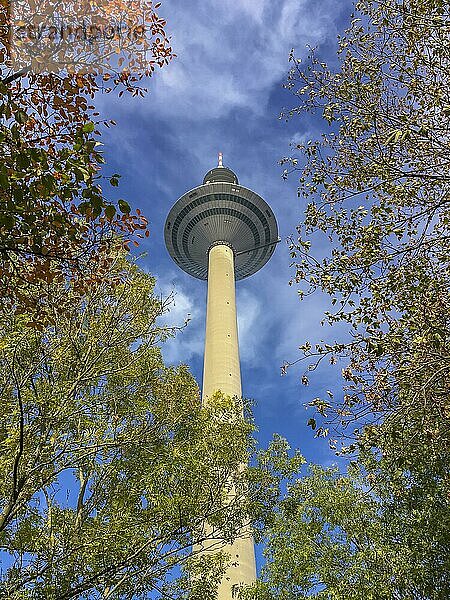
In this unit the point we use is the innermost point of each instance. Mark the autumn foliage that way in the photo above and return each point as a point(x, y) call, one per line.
point(56, 221)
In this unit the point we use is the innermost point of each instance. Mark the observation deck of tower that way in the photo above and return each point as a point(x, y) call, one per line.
point(223, 232)
point(221, 211)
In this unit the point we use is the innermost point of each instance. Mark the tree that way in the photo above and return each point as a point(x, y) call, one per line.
point(375, 240)
point(109, 466)
point(56, 220)
point(123, 40)
point(378, 188)
point(330, 539)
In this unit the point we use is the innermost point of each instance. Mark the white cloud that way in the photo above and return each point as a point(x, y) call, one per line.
point(255, 9)
point(230, 53)
point(250, 325)
point(301, 137)
point(188, 341)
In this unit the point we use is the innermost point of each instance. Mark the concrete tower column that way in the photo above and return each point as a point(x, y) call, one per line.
point(221, 369)
point(222, 372)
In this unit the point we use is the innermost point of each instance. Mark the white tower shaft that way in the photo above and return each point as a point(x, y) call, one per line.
point(222, 372)
point(221, 369)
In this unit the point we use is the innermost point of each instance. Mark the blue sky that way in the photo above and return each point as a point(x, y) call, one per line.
point(224, 92)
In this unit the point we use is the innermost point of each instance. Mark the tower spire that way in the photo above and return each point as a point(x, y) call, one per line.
point(220, 162)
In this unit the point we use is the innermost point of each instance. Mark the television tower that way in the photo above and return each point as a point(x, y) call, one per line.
point(223, 232)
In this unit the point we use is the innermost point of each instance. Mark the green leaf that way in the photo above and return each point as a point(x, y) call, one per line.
point(124, 207)
point(3, 179)
point(110, 211)
point(88, 127)
point(21, 116)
